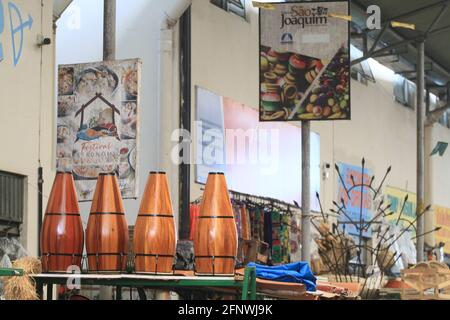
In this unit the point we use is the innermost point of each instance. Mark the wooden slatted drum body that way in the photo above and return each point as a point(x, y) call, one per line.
point(215, 241)
point(62, 236)
point(154, 242)
point(107, 230)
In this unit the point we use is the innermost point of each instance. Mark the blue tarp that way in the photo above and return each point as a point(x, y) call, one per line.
point(298, 272)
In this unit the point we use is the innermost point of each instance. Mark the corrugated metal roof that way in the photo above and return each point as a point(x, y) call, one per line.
point(59, 6)
point(431, 19)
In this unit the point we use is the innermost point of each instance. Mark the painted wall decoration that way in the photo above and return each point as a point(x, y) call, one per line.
point(18, 25)
point(304, 62)
point(98, 123)
point(354, 175)
point(442, 219)
point(396, 198)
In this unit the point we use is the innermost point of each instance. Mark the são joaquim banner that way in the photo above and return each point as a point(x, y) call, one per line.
point(304, 61)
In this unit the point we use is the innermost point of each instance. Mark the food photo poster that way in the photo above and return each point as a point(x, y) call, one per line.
point(98, 123)
point(305, 62)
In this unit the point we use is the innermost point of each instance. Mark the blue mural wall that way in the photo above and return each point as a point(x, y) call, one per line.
point(18, 28)
point(358, 202)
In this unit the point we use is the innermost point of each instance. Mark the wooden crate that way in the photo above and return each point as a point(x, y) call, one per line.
point(255, 251)
point(429, 281)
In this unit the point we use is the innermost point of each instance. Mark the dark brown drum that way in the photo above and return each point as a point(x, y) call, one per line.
point(107, 230)
point(154, 241)
point(62, 236)
point(215, 241)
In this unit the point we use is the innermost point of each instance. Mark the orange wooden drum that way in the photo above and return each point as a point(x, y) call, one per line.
point(215, 241)
point(107, 230)
point(154, 241)
point(62, 236)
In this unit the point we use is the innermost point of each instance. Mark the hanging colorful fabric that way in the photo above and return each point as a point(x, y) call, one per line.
point(245, 223)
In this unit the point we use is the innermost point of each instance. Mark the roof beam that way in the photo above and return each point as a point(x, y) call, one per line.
point(405, 72)
point(443, 4)
point(440, 74)
point(381, 51)
point(378, 38)
point(399, 44)
point(381, 55)
point(418, 10)
point(59, 6)
point(365, 40)
point(440, 30)
point(437, 19)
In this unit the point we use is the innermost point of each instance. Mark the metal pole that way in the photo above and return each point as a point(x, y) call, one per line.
point(109, 54)
point(306, 183)
point(448, 104)
point(306, 194)
point(40, 205)
point(185, 122)
point(109, 30)
point(420, 147)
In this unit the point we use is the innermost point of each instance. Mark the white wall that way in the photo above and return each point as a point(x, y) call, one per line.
point(224, 51)
point(225, 61)
point(138, 36)
point(26, 101)
point(224, 47)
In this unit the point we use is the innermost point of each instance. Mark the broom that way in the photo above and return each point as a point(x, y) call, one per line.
point(24, 287)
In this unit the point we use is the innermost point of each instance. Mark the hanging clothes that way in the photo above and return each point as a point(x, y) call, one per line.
point(262, 222)
point(285, 239)
point(245, 223)
point(281, 247)
point(268, 231)
point(257, 221)
point(295, 240)
point(276, 237)
point(238, 218)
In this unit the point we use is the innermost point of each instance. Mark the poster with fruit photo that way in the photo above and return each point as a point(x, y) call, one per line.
point(305, 61)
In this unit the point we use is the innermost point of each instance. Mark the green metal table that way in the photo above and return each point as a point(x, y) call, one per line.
point(246, 285)
point(11, 272)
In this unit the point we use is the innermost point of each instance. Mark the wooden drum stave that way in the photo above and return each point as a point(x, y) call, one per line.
point(107, 230)
point(62, 236)
point(154, 241)
point(215, 241)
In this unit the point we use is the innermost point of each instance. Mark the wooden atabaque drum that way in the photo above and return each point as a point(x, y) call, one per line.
point(154, 241)
point(62, 236)
point(215, 241)
point(107, 230)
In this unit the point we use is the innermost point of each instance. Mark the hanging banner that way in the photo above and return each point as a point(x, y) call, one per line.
point(396, 199)
point(442, 220)
point(304, 61)
point(97, 129)
point(358, 201)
